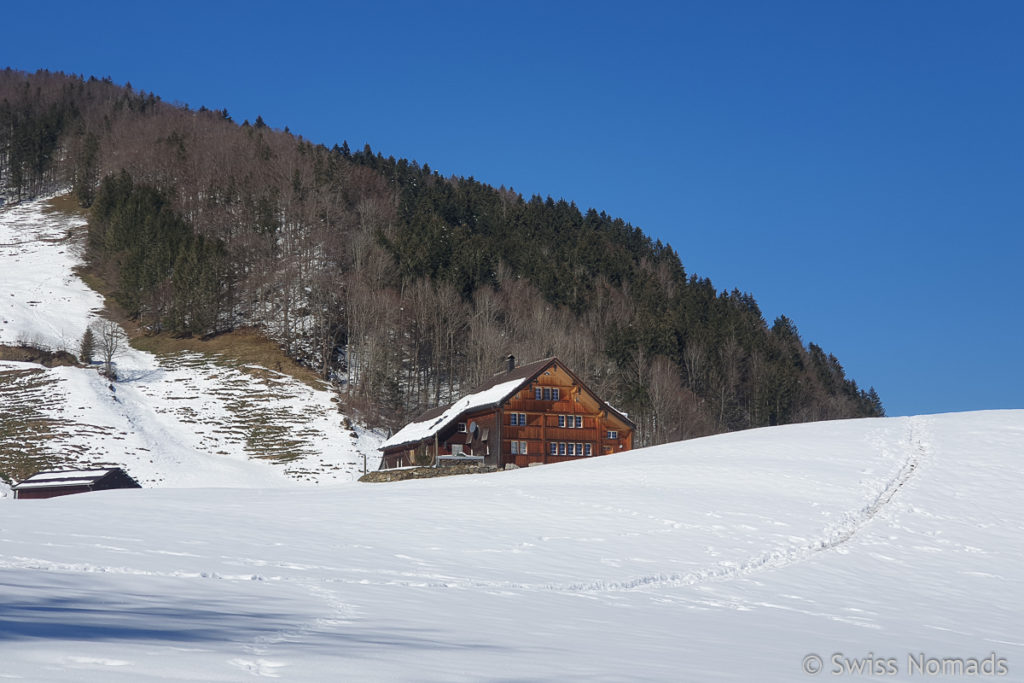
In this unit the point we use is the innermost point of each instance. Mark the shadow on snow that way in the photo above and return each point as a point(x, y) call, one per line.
point(55, 606)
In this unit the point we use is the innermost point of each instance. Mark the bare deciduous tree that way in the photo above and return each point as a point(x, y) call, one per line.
point(111, 342)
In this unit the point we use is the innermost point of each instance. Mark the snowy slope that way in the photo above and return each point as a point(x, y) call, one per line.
point(173, 420)
point(41, 300)
point(730, 558)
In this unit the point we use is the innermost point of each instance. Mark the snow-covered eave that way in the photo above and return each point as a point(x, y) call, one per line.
point(53, 484)
point(416, 432)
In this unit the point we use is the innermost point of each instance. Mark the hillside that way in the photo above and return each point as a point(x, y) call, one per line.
point(177, 418)
point(728, 558)
point(381, 275)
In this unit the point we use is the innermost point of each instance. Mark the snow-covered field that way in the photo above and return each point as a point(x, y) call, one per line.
point(740, 557)
point(173, 420)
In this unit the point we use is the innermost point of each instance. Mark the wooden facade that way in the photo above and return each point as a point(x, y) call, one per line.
point(546, 415)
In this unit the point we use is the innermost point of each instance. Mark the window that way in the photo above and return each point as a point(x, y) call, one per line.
point(462, 427)
point(517, 419)
point(612, 434)
point(579, 422)
point(570, 449)
point(547, 393)
point(554, 448)
point(515, 448)
point(537, 394)
point(561, 448)
point(561, 420)
point(579, 449)
point(522, 419)
point(586, 450)
point(522, 448)
point(554, 394)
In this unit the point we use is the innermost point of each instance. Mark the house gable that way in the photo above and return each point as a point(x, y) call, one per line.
point(556, 417)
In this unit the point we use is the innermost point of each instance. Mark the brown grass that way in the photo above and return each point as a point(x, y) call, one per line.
point(93, 281)
point(66, 203)
point(247, 346)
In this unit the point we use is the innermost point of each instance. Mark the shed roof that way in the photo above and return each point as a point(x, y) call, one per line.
point(65, 478)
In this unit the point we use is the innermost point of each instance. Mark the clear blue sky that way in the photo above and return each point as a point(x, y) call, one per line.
point(857, 166)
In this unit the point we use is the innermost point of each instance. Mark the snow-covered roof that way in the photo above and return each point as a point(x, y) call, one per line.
point(417, 431)
point(64, 478)
point(90, 475)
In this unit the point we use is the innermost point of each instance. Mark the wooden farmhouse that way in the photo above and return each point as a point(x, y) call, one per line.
point(62, 483)
point(535, 413)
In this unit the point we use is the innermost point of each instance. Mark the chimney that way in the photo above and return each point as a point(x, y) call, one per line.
point(511, 362)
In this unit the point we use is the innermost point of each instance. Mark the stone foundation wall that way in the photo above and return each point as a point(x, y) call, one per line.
point(424, 472)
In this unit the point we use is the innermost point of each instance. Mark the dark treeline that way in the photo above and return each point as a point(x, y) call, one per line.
point(403, 286)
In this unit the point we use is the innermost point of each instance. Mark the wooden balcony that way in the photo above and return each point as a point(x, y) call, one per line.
point(521, 433)
point(561, 434)
point(549, 434)
point(531, 406)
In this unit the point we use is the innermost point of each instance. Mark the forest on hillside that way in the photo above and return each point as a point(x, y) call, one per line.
point(402, 286)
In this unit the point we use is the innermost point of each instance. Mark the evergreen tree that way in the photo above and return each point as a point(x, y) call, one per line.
point(87, 346)
point(875, 403)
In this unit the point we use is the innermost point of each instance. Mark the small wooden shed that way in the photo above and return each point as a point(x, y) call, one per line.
point(65, 482)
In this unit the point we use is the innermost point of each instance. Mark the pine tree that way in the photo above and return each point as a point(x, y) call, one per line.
point(875, 403)
point(87, 346)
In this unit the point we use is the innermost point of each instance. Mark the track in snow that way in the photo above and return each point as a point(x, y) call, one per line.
point(831, 537)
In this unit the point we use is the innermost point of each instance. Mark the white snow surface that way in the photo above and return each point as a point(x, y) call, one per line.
point(729, 558)
point(187, 419)
point(417, 431)
point(64, 474)
point(42, 301)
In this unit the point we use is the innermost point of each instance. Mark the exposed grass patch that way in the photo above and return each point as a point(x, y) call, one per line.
point(237, 349)
point(255, 416)
point(26, 431)
point(65, 204)
point(94, 282)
